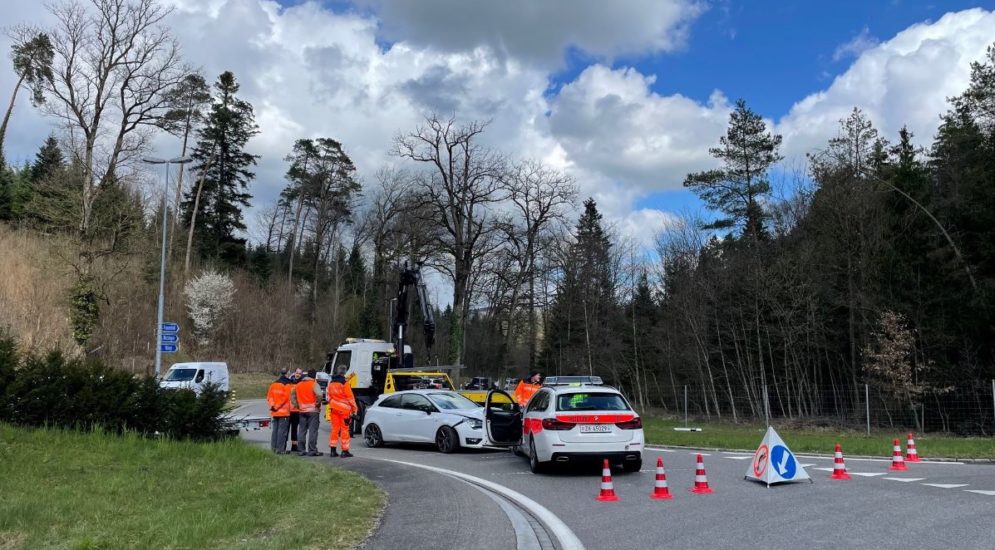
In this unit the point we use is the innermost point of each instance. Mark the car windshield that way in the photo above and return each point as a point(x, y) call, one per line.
point(180, 375)
point(591, 401)
point(451, 401)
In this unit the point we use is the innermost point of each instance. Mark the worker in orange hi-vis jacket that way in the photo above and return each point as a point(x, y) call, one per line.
point(341, 407)
point(278, 398)
point(527, 388)
point(309, 400)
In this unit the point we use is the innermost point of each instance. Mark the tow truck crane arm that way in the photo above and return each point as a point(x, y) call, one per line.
point(412, 277)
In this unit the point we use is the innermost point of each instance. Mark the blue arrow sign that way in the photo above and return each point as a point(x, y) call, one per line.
point(168, 348)
point(170, 338)
point(170, 327)
point(783, 461)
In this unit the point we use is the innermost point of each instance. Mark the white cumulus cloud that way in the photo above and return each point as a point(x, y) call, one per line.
point(905, 80)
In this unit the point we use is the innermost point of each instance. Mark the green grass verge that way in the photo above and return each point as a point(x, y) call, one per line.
point(251, 385)
point(64, 489)
point(660, 431)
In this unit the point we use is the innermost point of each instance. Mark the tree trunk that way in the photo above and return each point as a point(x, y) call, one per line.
point(179, 189)
point(6, 117)
point(292, 243)
point(193, 215)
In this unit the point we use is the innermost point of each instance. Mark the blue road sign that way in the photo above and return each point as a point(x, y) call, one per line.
point(168, 338)
point(783, 461)
point(168, 348)
point(170, 327)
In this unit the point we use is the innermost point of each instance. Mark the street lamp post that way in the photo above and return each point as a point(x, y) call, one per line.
point(162, 259)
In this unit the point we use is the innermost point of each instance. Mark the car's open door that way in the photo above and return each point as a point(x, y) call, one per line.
point(502, 419)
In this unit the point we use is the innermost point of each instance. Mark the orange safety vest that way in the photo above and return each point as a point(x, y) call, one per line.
point(307, 395)
point(525, 391)
point(278, 397)
point(340, 399)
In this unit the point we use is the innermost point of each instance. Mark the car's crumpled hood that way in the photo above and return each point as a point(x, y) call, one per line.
point(477, 413)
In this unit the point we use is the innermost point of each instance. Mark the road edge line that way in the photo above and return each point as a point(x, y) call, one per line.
point(565, 536)
point(958, 461)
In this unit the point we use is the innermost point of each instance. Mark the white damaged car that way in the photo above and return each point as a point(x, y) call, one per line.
point(442, 417)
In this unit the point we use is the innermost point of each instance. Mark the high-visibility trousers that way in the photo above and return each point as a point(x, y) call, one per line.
point(340, 430)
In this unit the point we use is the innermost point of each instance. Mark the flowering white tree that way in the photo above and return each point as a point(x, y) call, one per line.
point(209, 297)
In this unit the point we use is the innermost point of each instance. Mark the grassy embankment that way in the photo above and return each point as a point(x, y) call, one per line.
point(250, 385)
point(74, 490)
point(747, 436)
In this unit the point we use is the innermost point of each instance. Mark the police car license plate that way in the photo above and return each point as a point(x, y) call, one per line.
point(595, 428)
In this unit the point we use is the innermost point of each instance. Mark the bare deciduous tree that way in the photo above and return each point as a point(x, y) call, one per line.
point(114, 62)
point(462, 180)
point(540, 197)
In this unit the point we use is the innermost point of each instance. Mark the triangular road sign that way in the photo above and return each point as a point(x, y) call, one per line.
point(774, 462)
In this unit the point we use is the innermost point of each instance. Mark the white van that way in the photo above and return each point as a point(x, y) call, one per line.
point(194, 376)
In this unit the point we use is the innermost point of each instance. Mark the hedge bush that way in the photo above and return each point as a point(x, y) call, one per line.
point(53, 390)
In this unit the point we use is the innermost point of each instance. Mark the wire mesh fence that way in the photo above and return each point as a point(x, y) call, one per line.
point(968, 410)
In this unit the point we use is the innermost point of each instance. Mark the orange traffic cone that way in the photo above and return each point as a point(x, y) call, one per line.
point(607, 488)
point(897, 462)
point(911, 455)
point(700, 479)
point(839, 468)
point(660, 489)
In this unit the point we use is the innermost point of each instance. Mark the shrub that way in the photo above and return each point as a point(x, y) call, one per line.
point(209, 297)
point(71, 393)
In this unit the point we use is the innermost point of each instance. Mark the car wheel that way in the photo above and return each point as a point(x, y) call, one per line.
point(534, 464)
point(372, 436)
point(633, 465)
point(447, 440)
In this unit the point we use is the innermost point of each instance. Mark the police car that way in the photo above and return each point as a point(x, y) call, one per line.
point(570, 419)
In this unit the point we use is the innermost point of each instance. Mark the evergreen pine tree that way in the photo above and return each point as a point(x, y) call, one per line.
point(356, 271)
point(747, 152)
point(581, 314)
point(220, 156)
point(48, 160)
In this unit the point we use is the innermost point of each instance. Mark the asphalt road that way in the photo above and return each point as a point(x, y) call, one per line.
point(933, 505)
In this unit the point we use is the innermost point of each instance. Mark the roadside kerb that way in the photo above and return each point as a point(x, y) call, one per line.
point(565, 537)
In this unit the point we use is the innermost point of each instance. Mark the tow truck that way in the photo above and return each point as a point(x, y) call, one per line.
point(373, 367)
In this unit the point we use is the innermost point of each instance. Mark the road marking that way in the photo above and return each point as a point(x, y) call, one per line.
point(525, 536)
point(661, 449)
point(848, 459)
point(946, 485)
point(863, 474)
point(806, 465)
point(824, 469)
point(987, 493)
point(739, 457)
point(904, 479)
point(565, 537)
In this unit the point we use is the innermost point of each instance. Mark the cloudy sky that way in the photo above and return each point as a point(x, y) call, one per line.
point(626, 95)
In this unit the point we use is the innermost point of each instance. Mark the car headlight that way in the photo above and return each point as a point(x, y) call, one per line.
point(475, 424)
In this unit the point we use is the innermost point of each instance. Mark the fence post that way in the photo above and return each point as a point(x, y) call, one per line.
point(993, 400)
point(867, 407)
point(685, 405)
